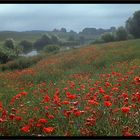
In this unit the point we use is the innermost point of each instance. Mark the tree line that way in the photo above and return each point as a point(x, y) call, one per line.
point(131, 30)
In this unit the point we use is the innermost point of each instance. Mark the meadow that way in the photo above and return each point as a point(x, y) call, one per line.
point(89, 91)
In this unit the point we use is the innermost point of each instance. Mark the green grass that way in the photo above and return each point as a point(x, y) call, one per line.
point(82, 67)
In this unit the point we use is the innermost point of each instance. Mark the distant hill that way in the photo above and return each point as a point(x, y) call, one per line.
point(63, 34)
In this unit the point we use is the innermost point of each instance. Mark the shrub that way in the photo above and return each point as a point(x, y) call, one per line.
point(51, 48)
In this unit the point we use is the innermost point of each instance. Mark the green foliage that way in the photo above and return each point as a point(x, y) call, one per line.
point(107, 37)
point(6, 54)
point(121, 34)
point(51, 48)
point(26, 45)
point(43, 41)
point(54, 39)
point(21, 63)
point(9, 43)
point(133, 24)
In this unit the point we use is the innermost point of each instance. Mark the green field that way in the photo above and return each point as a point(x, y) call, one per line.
point(89, 91)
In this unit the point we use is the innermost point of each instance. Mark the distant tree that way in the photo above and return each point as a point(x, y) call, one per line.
point(81, 39)
point(133, 24)
point(63, 30)
point(71, 38)
point(107, 37)
point(26, 45)
point(9, 43)
point(43, 41)
point(54, 39)
point(121, 33)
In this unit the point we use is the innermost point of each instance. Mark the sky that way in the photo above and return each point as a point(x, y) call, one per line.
point(26, 17)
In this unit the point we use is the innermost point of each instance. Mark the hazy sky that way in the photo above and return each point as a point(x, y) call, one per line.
point(21, 17)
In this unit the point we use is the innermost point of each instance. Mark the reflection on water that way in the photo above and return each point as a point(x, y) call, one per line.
point(32, 53)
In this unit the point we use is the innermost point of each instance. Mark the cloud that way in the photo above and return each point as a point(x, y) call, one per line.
point(71, 16)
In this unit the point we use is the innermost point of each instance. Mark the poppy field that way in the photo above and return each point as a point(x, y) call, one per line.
point(90, 91)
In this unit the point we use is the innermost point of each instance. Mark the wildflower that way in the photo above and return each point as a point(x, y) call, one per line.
point(92, 89)
point(102, 91)
point(71, 96)
point(38, 125)
point(1, 120)
point(12, 116)
point(46, 98)
point(24, 93)
point(107, 103)
point(107, 97)
point(92, 102)
point(125, 109)
point(75, 103)
point(65, 102)
point(137, 79)
point(127, 134)
point(48, 129)
point(1, 104)
point(18, 118)
point(51, 117)
point(77, 113)
point(125, 95)
point(107, 84)
point(65, 89)
point(42, 120)
point(25, 129)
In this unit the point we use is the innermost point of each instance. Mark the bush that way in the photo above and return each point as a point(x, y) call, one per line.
point(51, 48)
point(121, 34)
point(21, 63)
point(107, 37)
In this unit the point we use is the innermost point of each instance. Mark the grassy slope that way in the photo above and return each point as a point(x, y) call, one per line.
point(60, 68)
point(91, 59)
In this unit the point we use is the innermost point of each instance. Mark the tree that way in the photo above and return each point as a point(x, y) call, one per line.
point(26, 45)
point(54, 39)
point(9, 43)
point(43, 41)
point(3, 56)
point(133, 25)
point(63, 30)
point(71, 38)
point(81, 39)
point(121, 33)
point(107, 37)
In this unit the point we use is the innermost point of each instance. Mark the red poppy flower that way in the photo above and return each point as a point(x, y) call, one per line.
point(18, 118)
point(25, 129)
point(125, 109)
point(1, 105)
point(128, 134)
point(77, 113)
point(42, 120)
point(24, 93)
point(137, 79)
point(72, 96)
point(38, 125)
point(107, 97)
point(92, 102)
point(107, 103)
point(46, 98)
point(12, 116)
point(51, 117)
point(48, 129)
point(102, 91)
point(65, 102)
point(46, 107)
